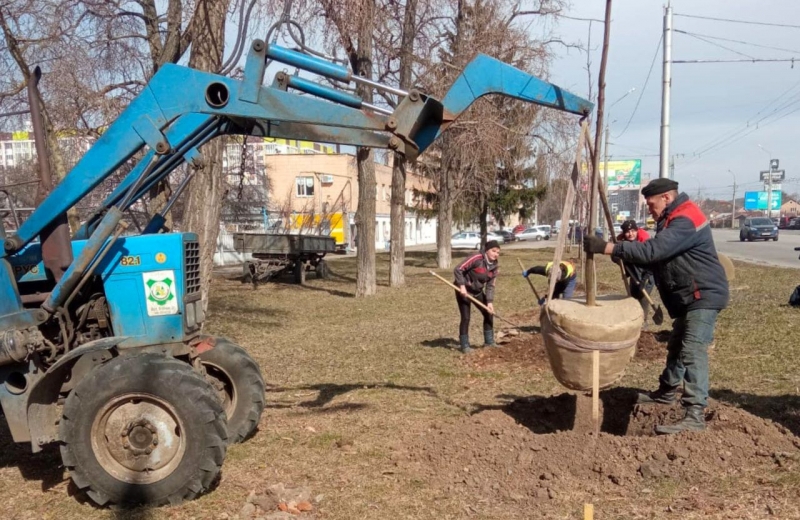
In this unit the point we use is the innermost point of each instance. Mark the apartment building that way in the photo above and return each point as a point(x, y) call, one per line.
point(327, 184)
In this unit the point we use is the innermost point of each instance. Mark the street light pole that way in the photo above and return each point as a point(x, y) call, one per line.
point(666, 84)
point(769, 181)
point(733, 201)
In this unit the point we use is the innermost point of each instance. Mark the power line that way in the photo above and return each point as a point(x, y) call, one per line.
point(754, 60)
point(747, 22)
point(641, 93)
point(692, 35)
point(738, 41)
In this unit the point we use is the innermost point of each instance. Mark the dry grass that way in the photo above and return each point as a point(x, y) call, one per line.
point(348, 378)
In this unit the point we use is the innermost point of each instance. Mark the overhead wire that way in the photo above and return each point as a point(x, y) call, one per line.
point(641, 93)
point(692, 35)
point(730, 137)
point(747, 22)
point(738, 41)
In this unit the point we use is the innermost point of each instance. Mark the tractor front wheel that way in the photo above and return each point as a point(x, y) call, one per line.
point(143, 429)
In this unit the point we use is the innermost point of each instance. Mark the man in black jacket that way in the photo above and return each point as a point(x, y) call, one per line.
point(693, 287)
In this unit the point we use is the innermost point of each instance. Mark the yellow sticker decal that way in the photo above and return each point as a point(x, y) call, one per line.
point(161, 258)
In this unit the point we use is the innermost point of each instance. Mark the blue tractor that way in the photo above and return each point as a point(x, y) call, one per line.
point(101, 347)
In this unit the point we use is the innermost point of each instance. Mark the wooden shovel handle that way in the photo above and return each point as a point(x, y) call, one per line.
point(535, 293)
point(475, 301)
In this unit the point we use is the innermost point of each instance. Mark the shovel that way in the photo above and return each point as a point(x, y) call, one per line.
point(658, 312)
point(533, 288)
point(476, 302)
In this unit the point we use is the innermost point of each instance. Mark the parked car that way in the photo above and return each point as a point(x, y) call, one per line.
point(758, 228)
point(546, 228)
point(784, 222)
point(534, 233)
point(794, 223)
point(508, 236)
point(492, 235)
point(466, 240)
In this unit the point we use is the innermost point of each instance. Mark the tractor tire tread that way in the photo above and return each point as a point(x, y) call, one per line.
point(183, 382)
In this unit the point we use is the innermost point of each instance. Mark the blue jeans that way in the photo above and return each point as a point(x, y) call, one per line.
point(687, 355)
point(565, 288)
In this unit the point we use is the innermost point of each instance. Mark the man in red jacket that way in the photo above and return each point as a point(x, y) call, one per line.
point(641, 279)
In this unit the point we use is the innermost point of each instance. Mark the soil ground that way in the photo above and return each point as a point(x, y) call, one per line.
point(373, 413)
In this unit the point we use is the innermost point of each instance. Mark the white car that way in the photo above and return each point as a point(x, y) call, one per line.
point(495, 236)
point(466, 240)
point(535, 233)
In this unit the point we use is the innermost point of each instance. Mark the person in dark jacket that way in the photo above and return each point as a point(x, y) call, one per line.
point(476, 276)
point(693, 287)
point(641, 279)
point(567, 278)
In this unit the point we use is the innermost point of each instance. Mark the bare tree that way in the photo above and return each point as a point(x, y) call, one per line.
point(204, 199)
point(397, 253)
point(30, 28)
point(346, 18)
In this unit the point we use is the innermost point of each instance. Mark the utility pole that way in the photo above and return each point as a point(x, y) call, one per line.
point(733, 201)
point(769, 189)
point(663, 171)
point(605, 185)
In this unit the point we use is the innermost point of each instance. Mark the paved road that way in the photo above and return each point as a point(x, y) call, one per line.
point(780, 253)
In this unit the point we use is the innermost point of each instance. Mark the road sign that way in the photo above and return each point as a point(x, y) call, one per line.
point(773, 164)
point(755, 200)
point(777, 175)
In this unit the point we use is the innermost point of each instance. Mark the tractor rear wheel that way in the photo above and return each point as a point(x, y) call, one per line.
point(143, 429)
point(239, 384)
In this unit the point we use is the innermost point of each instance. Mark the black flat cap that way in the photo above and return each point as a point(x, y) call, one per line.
point(490, 244)
point(659, 186)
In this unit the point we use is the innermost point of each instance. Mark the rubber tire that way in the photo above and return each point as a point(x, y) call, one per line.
point(775, 239)
point(172, 380)
point(299, 272)
point(248, 383)
point(322, 270)
point(538, 238)
point(741, 238)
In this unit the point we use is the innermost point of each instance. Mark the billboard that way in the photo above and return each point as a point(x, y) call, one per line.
point(754, 200)
point(623, 175)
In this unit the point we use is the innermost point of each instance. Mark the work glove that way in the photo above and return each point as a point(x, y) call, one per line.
point(593, 244)
point(525, 273)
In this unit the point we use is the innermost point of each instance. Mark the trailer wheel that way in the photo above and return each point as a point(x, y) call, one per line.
point(143, 429)
point(322, 270)
point(239, 385)
point(299, 272)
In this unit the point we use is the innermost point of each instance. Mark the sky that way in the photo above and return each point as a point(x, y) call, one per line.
point(721, 112)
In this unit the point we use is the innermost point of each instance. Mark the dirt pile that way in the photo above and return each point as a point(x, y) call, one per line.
point(532, 451)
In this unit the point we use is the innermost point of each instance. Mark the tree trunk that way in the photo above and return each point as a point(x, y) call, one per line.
point(397, 276)
point(204, 200)
point(444, 221)
point(365, 224)
point(361, 60)
point(484, 201)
